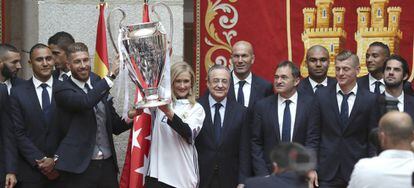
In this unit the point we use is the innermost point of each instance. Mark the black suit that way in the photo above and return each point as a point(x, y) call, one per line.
point(305, 86)
point(78, 123)
point(220, 161)
point(260, 88)
point(363, 82)
point(338, 148)
point(36, 136)
point(408, 104)
point(283, 180)
point(266, 134)
point(8, 163)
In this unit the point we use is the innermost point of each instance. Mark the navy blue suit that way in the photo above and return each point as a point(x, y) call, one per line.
point(305, 86)
point(220, 159)
point(77, 122)
point(283, 180)
point(260, 88)
point(36, 136)
point(338, 148)
point(266, 134)
point(8, 163)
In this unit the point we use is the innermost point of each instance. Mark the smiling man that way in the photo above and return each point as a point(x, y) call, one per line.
point(281, 117)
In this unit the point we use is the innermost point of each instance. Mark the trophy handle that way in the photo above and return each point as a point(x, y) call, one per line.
point(171, 19)
point(119, 25)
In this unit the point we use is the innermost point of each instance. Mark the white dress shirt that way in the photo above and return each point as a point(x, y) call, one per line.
point(39, 89)
point(400, 99)
point(81, 84)
point(8, 84)
point(351, 98)
point(62, 73)
point(392, 168)
point(281, 104)
point(246, 87)
point(372, 81)
point(314, 83)
point(222, 110)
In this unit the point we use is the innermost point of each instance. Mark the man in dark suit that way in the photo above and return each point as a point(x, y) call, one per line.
point(341, 119)
point(281, 117)
point(8, 165)
point(88, 119)
point(218, 142)
point(246, 88)
point(32, 112)
point(9, 66)
point(317, 61)
point(290, 162)
point(59, 43)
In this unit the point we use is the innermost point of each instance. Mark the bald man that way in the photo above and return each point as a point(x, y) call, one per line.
point(317, 61)
point(395, 165)
point(246, 88)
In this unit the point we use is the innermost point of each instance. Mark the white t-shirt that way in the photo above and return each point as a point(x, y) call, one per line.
point(173, 160)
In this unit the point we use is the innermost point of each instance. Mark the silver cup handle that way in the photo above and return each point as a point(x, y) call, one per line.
point(159, 19)
point(119, 25)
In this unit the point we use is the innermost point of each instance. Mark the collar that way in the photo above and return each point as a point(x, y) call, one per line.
point(372, 80)
point(293, 98)
point(314, 83)
point(69, 73)
point(354, 90)
point(399, 98)
point(212, 101)
point(248, 78)
point(37, 82)
point(394, 153)
point(81, 84)
point(7, 82)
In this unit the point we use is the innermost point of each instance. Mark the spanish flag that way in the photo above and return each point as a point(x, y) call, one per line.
point(101, 63)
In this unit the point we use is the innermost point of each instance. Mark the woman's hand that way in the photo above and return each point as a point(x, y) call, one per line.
point(167, 111)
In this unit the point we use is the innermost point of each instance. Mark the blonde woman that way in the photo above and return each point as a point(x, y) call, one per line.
point(173, 156)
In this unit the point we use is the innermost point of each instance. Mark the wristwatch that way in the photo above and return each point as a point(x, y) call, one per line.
point(112, 76)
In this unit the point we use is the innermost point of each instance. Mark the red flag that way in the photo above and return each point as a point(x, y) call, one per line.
point(101, 63)
point(137, 155)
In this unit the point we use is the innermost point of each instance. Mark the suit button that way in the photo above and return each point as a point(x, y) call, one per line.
point(216, 167)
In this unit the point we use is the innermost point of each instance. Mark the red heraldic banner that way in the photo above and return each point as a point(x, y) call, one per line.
point(2, 21)
point(283, 30)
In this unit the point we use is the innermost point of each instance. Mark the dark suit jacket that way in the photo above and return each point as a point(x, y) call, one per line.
point(223, 157)
point(340, 148)
point(78, 123)
point(266, 134)
point(260, 89)
point(363, 82)
point(56, 74)
point(35, 137)
point(305, 86)
point(8, 152)
point(283, 180)
point(408, 104)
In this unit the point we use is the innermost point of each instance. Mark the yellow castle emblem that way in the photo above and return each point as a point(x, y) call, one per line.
point(372, 26)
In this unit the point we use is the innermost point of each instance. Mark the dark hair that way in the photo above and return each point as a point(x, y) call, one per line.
point(215, 67)
point(400, 59)
point(61, 39)
point(383, 46)
point(289, 155)
point(37, 46)
point(76, 47)
point(286, 63)
point(316, 47)
point(5, 48)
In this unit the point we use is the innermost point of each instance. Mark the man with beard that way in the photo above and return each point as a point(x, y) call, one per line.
point(9, 65)
point(317, 60)
point(396, 72)
point(59, 43)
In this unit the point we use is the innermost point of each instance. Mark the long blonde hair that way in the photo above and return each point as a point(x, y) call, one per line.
point(176, 70)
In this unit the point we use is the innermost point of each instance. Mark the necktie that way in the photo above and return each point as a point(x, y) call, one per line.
point(240, 94)
point(65, 77)
point(87, 87)
point(217, 122)
point(45, 101)
point(318, 86)
point(344, 108)
point(286, 122)
point(377, 87)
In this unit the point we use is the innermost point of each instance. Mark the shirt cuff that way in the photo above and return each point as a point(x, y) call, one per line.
point(109, 82)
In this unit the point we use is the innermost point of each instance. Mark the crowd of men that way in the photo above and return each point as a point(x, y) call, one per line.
point(57, 127)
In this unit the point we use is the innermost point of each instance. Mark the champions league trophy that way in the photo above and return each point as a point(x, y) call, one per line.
point(142, 49)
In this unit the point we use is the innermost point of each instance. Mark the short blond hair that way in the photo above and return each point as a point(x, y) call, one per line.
point(177, 69)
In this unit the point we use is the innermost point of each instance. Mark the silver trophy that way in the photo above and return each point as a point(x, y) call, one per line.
point(143, 49)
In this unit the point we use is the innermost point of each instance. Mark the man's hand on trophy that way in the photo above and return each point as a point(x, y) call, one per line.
point(114, 68)
point(134, 112)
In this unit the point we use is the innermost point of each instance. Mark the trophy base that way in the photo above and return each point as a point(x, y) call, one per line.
point(151, 103)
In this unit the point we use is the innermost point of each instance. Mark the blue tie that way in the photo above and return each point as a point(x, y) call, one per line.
point(45, 102)
point(377, 87)
point(286, 122)
point(65, 77)
point(240, 94)
point(217, 122)
point(344, 108)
